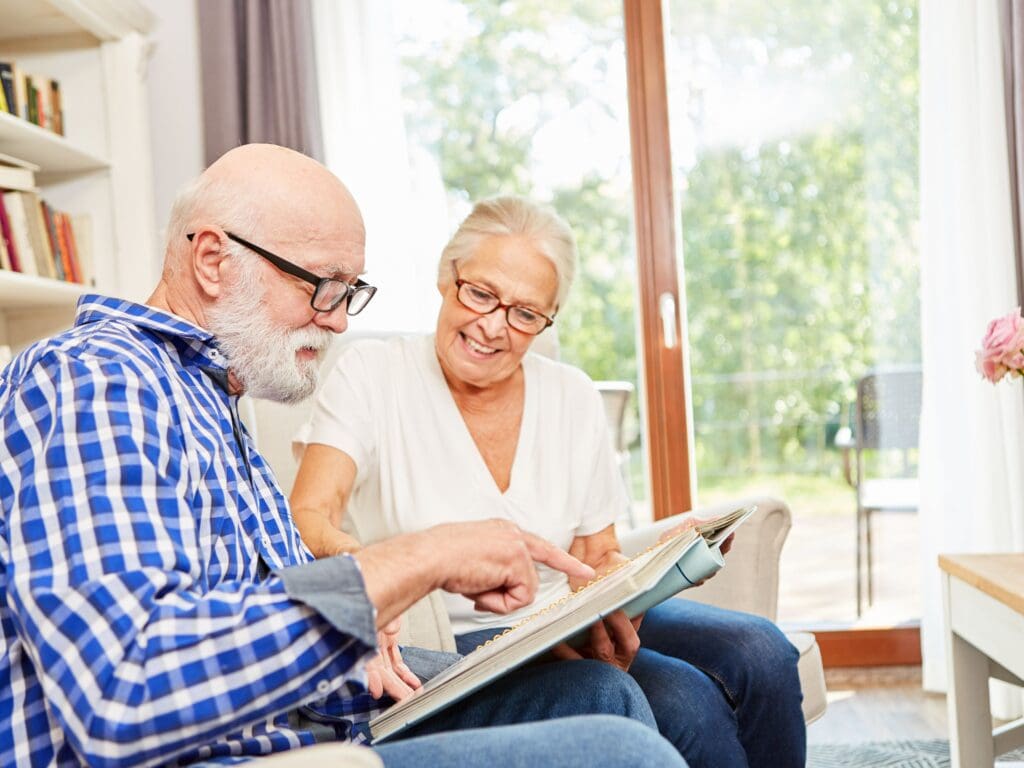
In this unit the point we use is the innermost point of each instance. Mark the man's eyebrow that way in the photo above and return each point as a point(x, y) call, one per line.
point(339, 272)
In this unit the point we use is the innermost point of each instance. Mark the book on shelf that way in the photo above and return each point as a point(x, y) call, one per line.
point(14, 178)
point(20, 93)
point(44, 248)
point(57, 248)
point(5, 257)
point(16, 174)
point(69, 249)
point(7, 85)
point(79, 229)
point(32, 97)
point(17, 216)
point(7, 234)
point(672, 565)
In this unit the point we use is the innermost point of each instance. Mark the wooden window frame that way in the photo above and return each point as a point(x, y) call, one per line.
point(664, 370)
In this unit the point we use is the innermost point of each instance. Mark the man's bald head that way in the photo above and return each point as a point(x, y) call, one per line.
point(269, 194)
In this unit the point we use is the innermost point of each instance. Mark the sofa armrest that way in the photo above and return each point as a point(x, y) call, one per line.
point(749, 581)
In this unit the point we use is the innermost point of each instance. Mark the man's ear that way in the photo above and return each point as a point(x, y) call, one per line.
point(207, 259)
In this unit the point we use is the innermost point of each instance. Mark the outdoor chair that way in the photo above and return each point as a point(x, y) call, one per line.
point(616, 396)
point(879, 457)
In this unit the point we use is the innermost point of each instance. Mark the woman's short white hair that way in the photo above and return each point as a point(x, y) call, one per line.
point(514, 217)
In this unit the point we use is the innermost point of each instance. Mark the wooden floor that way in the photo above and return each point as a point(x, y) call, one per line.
point(880, 704)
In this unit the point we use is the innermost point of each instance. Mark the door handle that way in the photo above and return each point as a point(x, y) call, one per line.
point(667, 309)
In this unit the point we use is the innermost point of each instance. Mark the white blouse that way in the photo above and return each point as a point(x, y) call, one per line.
point(386, 404)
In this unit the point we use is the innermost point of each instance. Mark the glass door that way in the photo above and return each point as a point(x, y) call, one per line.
point(794, 147)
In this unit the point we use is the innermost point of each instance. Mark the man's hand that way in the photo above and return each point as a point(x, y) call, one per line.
point(613, 641)
point(387, 673)
point(492, 563)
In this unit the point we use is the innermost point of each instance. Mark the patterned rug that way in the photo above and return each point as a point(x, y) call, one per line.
point(890, 754)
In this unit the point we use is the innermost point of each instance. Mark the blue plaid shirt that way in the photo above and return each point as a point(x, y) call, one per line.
point(156, 602)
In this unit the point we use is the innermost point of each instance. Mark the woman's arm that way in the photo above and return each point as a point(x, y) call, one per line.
point(319, 499)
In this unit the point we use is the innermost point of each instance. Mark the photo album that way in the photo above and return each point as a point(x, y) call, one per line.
point(675, 563)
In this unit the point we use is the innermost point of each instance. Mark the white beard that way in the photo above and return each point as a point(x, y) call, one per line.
point(261, 355)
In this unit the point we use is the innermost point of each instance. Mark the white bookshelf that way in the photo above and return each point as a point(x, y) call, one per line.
point(97, 50)
point(54, 154)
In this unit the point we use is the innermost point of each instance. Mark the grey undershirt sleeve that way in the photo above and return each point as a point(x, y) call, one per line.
point(334, 587)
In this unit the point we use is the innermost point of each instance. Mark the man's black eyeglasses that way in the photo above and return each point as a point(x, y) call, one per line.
point(330, 293)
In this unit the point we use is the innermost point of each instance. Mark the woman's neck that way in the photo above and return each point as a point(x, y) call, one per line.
point(471, 398)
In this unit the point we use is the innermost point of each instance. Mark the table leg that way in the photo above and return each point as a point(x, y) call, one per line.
point(970, 717)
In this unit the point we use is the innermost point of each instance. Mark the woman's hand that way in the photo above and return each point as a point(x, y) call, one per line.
point(614, 641)
point(387, 673)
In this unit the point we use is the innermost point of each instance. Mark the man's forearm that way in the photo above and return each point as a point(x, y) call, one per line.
point(397, 572)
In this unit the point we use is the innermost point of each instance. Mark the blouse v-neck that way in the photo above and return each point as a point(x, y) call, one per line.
point(468, 452)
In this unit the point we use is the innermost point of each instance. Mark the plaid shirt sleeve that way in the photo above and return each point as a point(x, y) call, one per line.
point(139, 658)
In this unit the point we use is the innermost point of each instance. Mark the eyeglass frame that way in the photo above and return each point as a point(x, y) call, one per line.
point(459, 282)
point(304, 274)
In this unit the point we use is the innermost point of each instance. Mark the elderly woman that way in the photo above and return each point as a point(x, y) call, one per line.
point(467, 424)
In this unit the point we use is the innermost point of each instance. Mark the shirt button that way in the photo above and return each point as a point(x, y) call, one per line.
point(266, 540)
point(323, 687)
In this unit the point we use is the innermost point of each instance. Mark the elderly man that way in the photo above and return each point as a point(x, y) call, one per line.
point(156, 601)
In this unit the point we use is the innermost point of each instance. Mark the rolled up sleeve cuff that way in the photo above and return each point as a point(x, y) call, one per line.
point(335, 589)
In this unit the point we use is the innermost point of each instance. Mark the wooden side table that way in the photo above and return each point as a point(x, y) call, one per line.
point(984, 604)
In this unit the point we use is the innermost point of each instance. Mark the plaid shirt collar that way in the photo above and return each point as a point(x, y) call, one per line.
point(196, 345)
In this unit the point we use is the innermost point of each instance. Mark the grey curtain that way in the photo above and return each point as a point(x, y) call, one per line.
point(1012, 31)
point(258, 75)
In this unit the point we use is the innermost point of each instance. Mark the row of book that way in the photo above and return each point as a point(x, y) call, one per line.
point(39, 240)
point(36, 238)
point(31, 97)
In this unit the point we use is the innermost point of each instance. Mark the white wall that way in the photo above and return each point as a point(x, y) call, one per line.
point(175, 104)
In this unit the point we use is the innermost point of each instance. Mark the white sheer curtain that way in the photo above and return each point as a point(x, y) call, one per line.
point(972, 434)
point(398, 186)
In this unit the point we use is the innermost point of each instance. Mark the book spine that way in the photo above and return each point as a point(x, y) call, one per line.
point(20, 232)
point(20, 91)
point(79, 230)
point(16, 178)
point(51, 234)
point(63, 225)
point(8, 237)
point(5, 259)
point(56, 107)
point(7, 82)
point(40, 240)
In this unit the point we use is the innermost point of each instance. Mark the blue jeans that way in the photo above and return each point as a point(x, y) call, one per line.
point(511, 721)
point(572, 742)
point(723, 685)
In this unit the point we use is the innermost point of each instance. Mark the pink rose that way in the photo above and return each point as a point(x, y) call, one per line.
point(1002, 349)
point(989, 368)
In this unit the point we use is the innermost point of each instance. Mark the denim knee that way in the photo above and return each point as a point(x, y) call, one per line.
point(771, 659)
point(603, 688)
point(621, 742)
